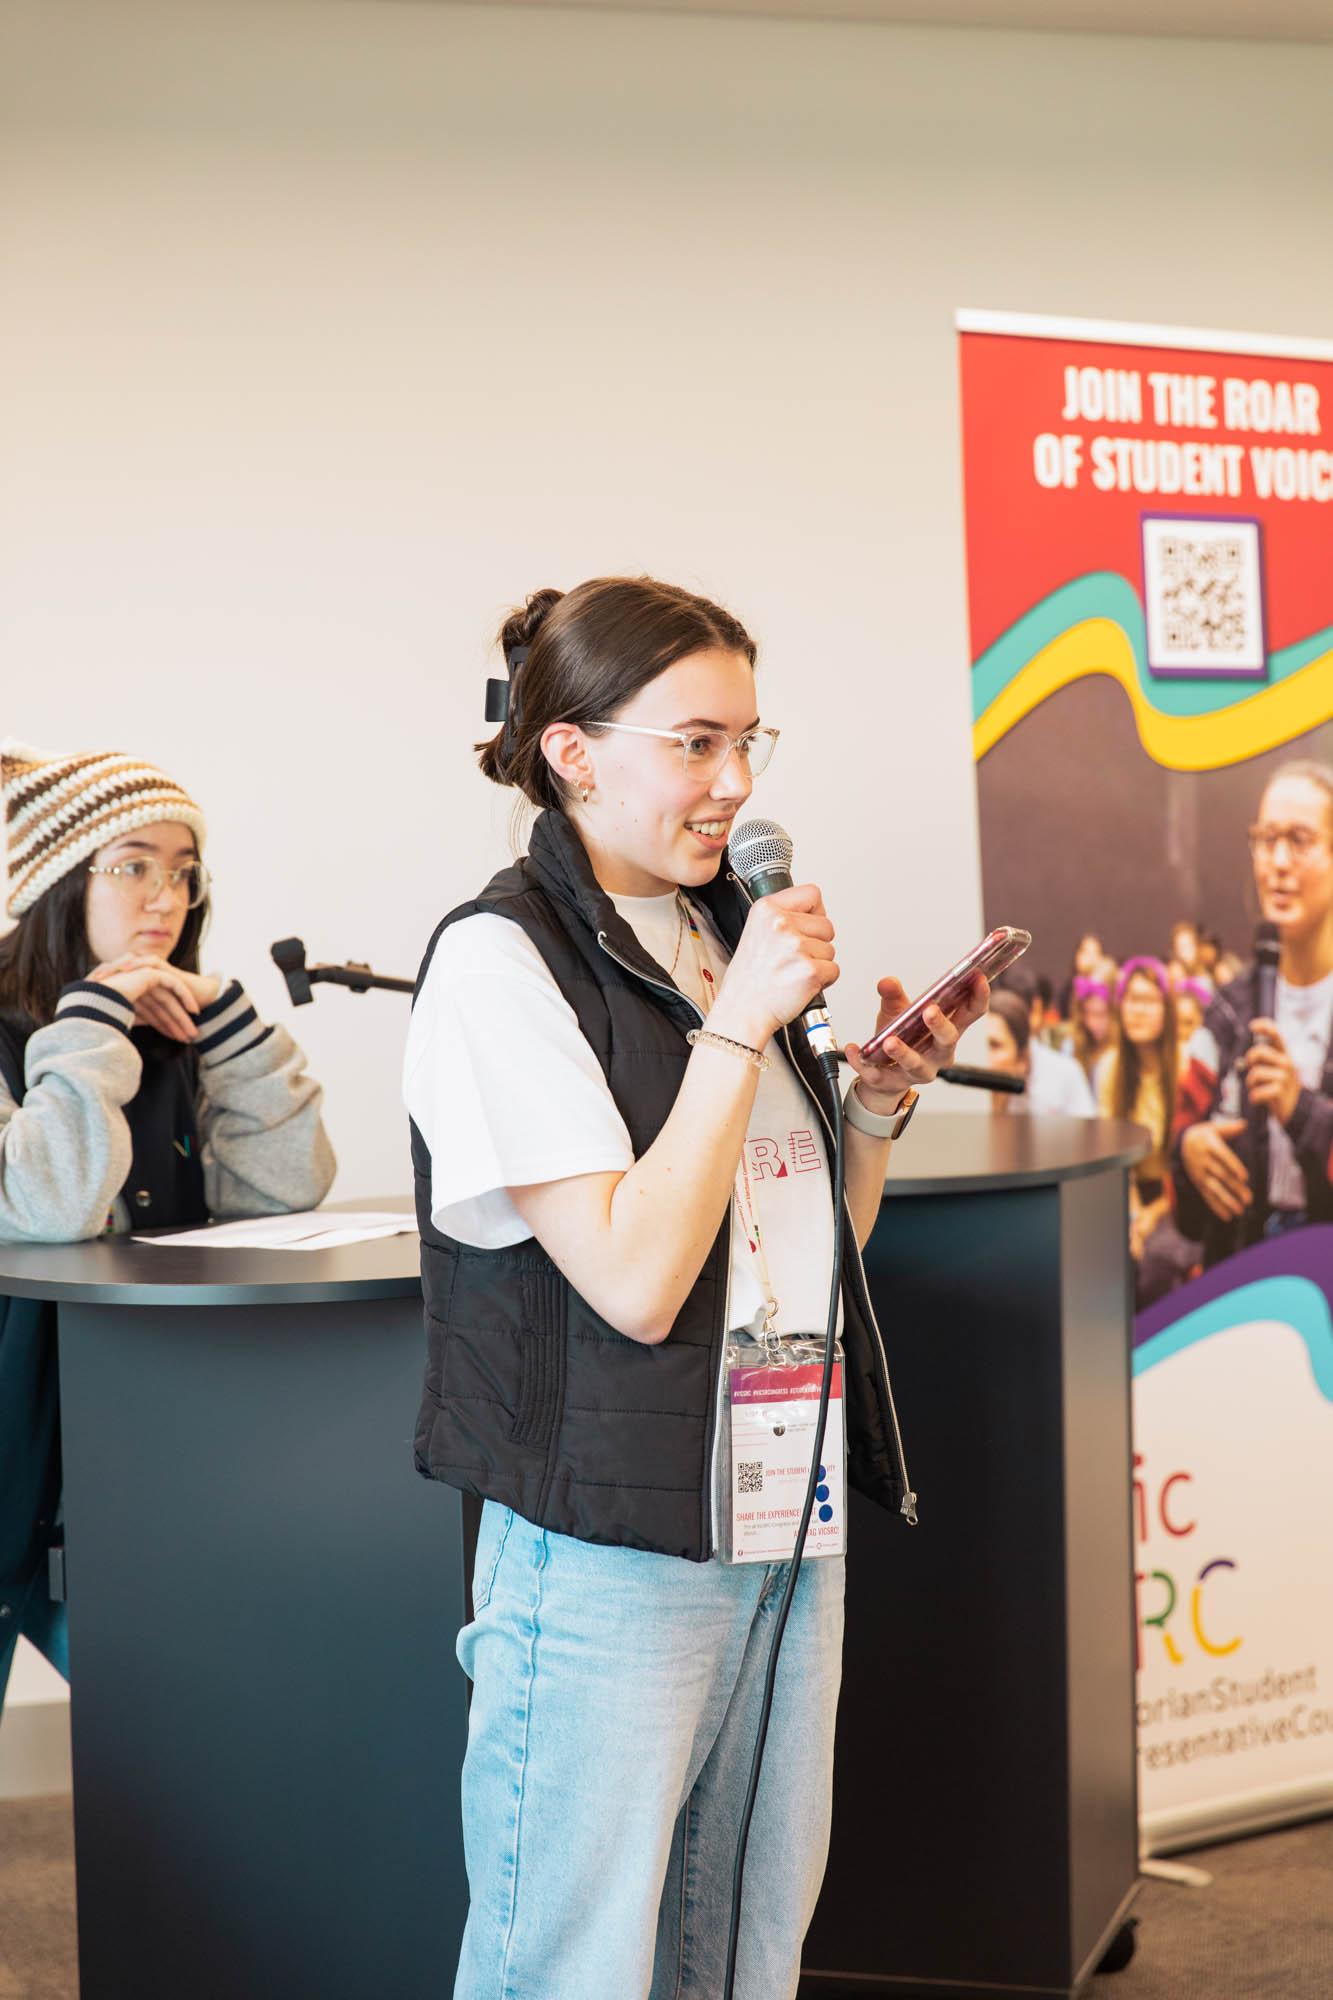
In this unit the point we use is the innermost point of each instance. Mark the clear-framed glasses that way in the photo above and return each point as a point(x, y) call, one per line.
point(1301, 841)
point(705, 751)
point(143, 877)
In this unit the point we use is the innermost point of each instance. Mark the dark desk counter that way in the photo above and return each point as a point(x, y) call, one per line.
point(984, 1813)
point(118, 1271)
point(267, 1721)
point(960, 1152)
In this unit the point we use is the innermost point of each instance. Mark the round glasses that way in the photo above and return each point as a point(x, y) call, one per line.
point(1301, 841)
point(143, 878)
point(705, 751)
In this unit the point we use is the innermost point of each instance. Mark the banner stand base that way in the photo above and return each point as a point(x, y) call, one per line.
point(1178, 1872)
point(1234, 1818)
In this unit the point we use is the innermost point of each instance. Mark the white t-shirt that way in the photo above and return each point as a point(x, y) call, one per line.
point(1057, 1083)
point(506, 1092)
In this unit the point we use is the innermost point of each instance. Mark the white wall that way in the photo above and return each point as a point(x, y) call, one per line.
point(332, 328)
point(34, 1729)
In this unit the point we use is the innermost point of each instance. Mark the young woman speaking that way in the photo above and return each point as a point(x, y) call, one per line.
point(621, 1161)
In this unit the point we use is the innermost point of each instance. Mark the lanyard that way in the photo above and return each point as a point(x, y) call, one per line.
point(746, 1206)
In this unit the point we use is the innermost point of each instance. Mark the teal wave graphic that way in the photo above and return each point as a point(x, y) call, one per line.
point(1107, 594)
point(1296, 1302)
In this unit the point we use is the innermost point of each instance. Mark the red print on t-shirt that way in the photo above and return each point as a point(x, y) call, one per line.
point(770, 1157)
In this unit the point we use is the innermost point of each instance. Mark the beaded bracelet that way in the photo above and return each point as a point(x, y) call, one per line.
point(755, 1057)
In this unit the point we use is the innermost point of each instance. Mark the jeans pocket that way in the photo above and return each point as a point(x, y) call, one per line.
point(491, 1538)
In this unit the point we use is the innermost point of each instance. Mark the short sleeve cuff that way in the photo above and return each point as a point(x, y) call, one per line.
point(86, 1000)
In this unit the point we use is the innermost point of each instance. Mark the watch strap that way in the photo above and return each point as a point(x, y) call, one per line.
point(905, 1110)
point(870, 1122)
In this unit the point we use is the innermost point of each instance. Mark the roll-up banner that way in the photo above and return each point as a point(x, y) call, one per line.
point(1149, 520)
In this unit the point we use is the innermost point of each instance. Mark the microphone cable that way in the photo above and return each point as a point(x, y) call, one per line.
point(784, 1607)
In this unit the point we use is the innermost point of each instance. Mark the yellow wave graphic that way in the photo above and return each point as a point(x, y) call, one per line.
point(1265, 720)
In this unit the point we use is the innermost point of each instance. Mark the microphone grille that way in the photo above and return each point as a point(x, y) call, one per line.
point(1267, 946)
point(760, 844)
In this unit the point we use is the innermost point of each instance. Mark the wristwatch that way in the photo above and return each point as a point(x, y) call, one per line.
point(871, 1123)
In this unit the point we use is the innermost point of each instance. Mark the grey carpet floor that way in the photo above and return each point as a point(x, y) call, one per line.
point(1264, 1931)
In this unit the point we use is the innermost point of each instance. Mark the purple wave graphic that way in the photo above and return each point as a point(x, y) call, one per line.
point(1305, 1253)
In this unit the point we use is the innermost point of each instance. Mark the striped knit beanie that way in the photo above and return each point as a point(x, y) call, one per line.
point(60, 810)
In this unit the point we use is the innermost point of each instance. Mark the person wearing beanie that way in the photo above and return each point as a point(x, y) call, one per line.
point(135, 1091)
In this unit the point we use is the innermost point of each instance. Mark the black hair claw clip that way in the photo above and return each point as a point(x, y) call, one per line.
point(498, 692)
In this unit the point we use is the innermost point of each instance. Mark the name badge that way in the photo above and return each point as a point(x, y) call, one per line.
point(773, 1408)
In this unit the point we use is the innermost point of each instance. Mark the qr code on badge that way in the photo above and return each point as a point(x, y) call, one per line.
point(1203, 596)
point(749, 1475)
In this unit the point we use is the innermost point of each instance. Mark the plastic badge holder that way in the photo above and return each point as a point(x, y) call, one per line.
point(769, 1413)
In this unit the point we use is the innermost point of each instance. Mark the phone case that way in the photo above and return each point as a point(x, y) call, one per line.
point(994, 955)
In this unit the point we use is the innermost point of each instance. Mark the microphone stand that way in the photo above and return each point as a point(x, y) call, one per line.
point(288, 955)
point(984, 1079)
point(977, 1079)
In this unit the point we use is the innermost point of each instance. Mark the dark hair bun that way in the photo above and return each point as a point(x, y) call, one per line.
point(521, 627)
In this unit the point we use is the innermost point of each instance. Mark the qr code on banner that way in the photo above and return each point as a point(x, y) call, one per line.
point(1203, 596)
point(749, 1475)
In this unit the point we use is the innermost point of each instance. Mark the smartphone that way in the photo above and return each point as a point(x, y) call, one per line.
point(994, 955)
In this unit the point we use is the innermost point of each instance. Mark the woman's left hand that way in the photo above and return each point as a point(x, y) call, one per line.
point(884, 1079)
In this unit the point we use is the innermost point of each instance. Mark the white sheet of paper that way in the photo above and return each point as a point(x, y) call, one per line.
point(314, 1229)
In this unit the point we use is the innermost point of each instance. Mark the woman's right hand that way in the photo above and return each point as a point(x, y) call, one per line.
point(1217, 1172)
point(784, 961)
point(160, 993)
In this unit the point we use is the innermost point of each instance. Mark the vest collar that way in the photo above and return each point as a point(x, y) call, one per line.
point(559, 861)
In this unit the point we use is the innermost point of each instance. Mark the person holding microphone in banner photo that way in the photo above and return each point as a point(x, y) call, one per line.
point(136, 1092)
point(1253, 1150)
point(623, 1166)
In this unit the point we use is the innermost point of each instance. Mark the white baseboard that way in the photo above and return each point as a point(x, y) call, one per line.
point(34, 1729)
point(34, 1749)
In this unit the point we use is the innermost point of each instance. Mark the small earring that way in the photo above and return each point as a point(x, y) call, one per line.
point(584, 793)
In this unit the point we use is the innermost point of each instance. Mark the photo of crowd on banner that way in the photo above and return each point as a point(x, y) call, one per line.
point(1227, 1060)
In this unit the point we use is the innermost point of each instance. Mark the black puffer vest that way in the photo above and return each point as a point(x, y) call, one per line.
point(532, 1398)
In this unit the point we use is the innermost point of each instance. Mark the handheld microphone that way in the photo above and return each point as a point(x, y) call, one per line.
point(1266, 951)
point(761, 854)
point(1265, 1004)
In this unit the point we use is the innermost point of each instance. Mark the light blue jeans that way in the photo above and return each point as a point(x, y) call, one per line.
point(615, 1701)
